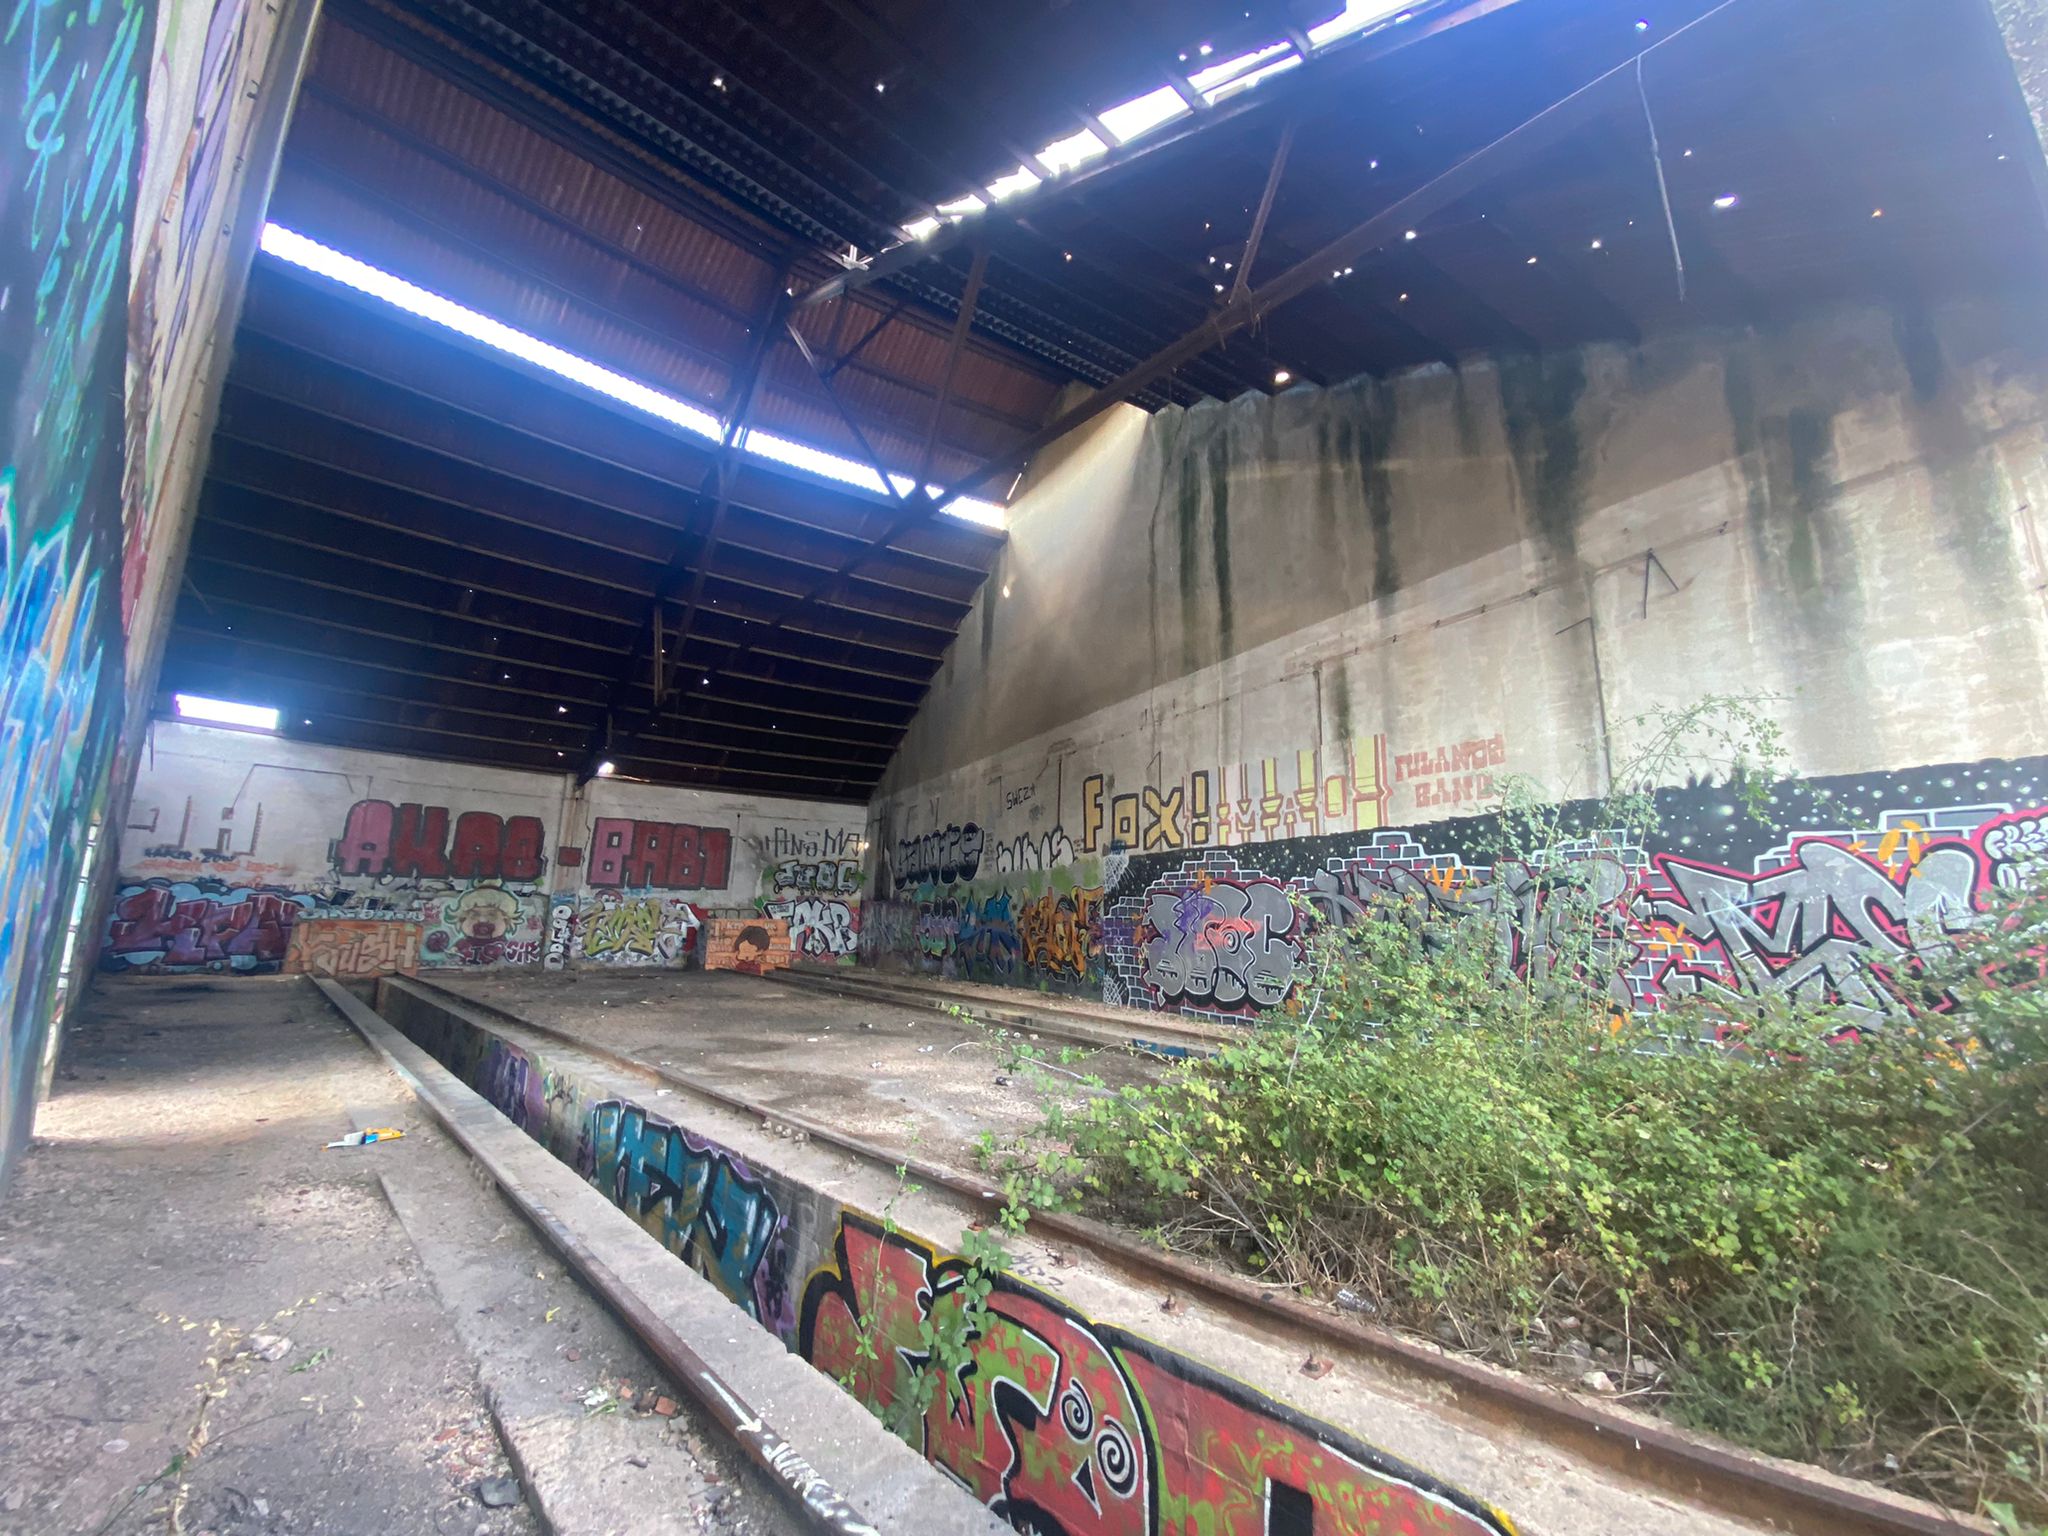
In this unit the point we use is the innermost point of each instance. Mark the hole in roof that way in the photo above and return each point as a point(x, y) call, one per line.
point(310, 255)
point(1144, 113)
point(1356, 16)
point(1207, 80)
point(1131, 119)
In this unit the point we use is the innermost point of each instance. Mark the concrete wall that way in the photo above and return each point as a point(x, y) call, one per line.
point(1324, 619)
point(247, 853)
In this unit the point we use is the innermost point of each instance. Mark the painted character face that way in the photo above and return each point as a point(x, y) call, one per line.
point(486, 913)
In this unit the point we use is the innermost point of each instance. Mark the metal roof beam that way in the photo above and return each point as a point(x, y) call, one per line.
point(1519, 144)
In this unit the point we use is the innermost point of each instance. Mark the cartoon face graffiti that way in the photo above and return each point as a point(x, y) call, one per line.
point(481, 918)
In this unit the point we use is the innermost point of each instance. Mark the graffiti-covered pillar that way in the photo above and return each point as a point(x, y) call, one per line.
point(75, 78)
point(139, 146)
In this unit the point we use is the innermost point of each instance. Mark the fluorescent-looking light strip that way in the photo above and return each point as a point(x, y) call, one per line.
point(290, 246)
point(192, 706)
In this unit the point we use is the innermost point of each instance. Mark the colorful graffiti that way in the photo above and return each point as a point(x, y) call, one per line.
point(745, 945)
point(1222, 944)
point(352, 946)
point(619, 929)
point(1064, 1425)
point(663, 855)
point(73, 103)
point(421, 842)
point(484, 925)
point(699, 1200)
point(177, 926)
point(1060, 1424)
point(1060, 932)
point(1867, 871)
point(561, 940)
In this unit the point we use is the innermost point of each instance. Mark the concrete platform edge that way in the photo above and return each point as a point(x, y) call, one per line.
point(894, 1491)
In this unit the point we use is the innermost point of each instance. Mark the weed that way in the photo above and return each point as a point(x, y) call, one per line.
point(1833, 1251)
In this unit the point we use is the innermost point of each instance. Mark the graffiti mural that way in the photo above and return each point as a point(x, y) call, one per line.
point(744, 945)
point(424, 842)
point(664, 855)
point(561, 932)
point(1064, 1425)
point(819, 928)
point(68, 184)
point(352, 946)
point(177, 926)
point(1303, 793)
point(621, 929)
point(1060, 932)
point(1221, 944)
point(699, 1199)
point(811, 881)
point(487, 924)
point(1061, 1424)
point(1835, 903)
point(950, 856)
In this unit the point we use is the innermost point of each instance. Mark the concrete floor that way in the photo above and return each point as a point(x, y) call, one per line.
point(177, 1209)
point(902, 1078)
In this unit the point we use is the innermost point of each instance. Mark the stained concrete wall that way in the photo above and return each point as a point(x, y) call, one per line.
point(1348, 611)
point(246, 853)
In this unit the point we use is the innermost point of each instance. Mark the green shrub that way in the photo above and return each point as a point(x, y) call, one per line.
point(1838, 1252)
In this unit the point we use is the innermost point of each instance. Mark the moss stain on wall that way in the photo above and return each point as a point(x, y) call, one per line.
point(1219, 542)
point(1539, 406)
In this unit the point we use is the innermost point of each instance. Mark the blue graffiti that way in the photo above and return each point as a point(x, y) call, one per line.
point(714, 1215)
point(49, 676)
point(988, 933)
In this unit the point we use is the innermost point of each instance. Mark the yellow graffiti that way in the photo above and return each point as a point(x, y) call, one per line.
point(632, 928)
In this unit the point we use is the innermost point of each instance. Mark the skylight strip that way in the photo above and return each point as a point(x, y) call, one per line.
point(255, 717)
point(310, 255)
point(1133, 119)
point(1206, 80)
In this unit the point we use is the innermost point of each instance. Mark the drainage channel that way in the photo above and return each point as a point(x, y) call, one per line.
point(1092, 1401)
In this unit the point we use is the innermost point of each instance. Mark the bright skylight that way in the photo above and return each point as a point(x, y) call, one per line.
point(1075, 149)
point(1140, 115)
point(1206, 80)
point(1144, 113)
point(1356, 16)
point(288, 245)
point(256, 717)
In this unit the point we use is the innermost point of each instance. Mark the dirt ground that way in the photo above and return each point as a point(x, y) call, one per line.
point(209, 1324)
point(904, 1078)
